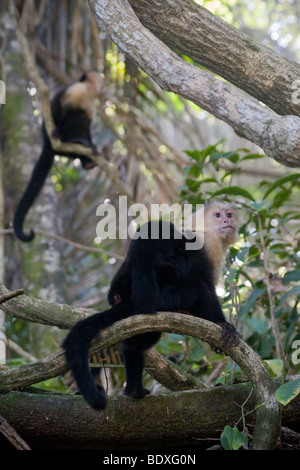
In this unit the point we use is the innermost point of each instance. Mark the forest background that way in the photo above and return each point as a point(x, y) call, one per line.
point(160, 148)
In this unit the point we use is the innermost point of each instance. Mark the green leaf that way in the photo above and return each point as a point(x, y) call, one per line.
point(288, 391)
point(195, 170)
point(242, 254)
point(280, 182)
point(251, 301)
point(257, 325)
point(275, 366)
point(232, 156)
point(232, 438)
point(253, 156)
point(294, 290)
point(234, 191)
point(193, 185)
point(291, 276)
point(200, 155)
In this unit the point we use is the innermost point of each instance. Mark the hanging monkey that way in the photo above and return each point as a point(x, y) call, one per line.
point(72, 111)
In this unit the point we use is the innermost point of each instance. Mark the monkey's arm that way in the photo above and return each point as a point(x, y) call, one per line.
point(200, 300)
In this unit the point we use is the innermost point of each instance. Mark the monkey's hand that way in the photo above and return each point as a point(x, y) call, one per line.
point(229, 337)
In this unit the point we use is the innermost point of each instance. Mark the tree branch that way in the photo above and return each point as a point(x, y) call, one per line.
point(39, 311)
point(189, 28)
point(11, 295)
point(12, 436)
point(78, 246)
point(278, 136)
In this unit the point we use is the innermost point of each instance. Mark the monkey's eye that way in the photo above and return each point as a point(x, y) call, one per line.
point(218, 214)
point(229, 215)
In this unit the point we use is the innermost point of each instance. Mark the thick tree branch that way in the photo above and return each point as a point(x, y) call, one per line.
point(191, 29)
point(40, 311)
point(185, 419)
point(156, 422)
point(278, 136)
point(168, 374)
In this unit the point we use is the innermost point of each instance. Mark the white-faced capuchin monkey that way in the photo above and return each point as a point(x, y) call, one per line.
point(158, 274)
point(72, 112)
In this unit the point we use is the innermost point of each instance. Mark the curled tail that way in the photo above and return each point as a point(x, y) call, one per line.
point(76, 346)
point(36, 182)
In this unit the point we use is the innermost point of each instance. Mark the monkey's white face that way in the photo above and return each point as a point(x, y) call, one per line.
point(221, 220)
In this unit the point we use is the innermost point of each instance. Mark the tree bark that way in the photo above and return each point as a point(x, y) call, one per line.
point(194, 31)
point(61, 422)
point(278, 136)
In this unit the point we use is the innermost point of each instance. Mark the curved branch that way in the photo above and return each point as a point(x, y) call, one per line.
point(278, 136)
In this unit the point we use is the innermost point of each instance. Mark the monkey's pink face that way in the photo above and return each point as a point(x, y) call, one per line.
point(225, 220)
point(222, 220)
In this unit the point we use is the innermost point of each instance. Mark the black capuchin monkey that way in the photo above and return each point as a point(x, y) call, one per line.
point(72, 112)
point(158, 274)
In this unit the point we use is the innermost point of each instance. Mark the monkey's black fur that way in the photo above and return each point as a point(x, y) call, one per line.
point(71, 125)
point(157, 274)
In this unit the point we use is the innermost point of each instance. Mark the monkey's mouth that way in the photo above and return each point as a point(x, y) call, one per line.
point(228, 228)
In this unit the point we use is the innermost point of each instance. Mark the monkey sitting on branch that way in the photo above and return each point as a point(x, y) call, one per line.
point(158, 274)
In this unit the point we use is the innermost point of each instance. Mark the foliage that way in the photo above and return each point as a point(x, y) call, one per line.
point(233, 439)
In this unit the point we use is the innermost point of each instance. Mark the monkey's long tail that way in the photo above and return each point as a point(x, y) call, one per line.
point(36, 182)
point(77, 344)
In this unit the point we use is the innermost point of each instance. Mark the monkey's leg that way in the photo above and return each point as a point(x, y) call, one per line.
point(134, 365)
point(133, 356)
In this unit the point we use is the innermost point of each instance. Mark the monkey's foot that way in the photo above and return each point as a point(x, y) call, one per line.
point(229, 337)
point(136, 393)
